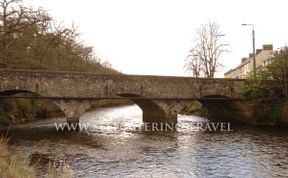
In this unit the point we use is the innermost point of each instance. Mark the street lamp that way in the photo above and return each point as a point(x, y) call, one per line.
point(253, 41)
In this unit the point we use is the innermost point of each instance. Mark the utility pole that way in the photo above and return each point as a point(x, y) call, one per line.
point(253, 43)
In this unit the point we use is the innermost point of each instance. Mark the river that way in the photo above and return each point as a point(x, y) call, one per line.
point(106, 151)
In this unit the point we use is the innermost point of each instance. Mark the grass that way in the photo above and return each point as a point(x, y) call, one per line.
point(12, 166)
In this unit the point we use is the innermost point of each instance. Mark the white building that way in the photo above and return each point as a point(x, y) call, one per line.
point(263, 57)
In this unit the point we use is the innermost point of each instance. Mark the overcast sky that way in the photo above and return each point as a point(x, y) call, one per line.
point(154, 36)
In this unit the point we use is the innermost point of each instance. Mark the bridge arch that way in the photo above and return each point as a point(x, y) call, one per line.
point(151, 110)
point(218, 107)
point(21, 106)
point(14, 91)
point(72, 109)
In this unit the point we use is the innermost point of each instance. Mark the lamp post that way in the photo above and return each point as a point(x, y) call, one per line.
point(253, 41)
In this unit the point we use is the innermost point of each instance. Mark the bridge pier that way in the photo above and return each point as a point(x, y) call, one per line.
point(160, 115)
point(158, 120)
point(73, 109)
point(236, 111)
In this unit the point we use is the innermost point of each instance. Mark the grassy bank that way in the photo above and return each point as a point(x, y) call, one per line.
point(12, 165)
point(196, 109)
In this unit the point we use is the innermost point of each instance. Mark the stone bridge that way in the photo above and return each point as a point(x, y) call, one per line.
point(161, 98)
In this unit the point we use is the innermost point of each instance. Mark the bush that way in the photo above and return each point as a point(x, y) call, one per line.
point(271, 81)
point(260, 87)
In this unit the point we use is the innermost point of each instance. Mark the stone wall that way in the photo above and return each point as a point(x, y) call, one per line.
point(96, 85)
point(174, 92)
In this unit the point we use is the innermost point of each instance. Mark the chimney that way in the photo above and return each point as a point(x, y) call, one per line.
point(268, 47)
point(250, 55)
point(244, 59)
point(258, 51)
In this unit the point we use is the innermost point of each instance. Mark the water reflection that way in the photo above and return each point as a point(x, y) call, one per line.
point(245, 152)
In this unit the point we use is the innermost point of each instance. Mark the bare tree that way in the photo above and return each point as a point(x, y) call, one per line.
point(14, 19)
point(4, 17)
point(204, 56)
point(193, 64)
point(32, 39)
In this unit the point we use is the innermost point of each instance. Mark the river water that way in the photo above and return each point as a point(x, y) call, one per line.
point(106, 151)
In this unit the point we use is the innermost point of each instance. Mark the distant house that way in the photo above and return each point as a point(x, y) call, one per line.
point(263, 58)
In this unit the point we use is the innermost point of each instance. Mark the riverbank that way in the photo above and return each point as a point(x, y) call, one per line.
point(272, 113)
point(13, 165)
point(266, 113)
